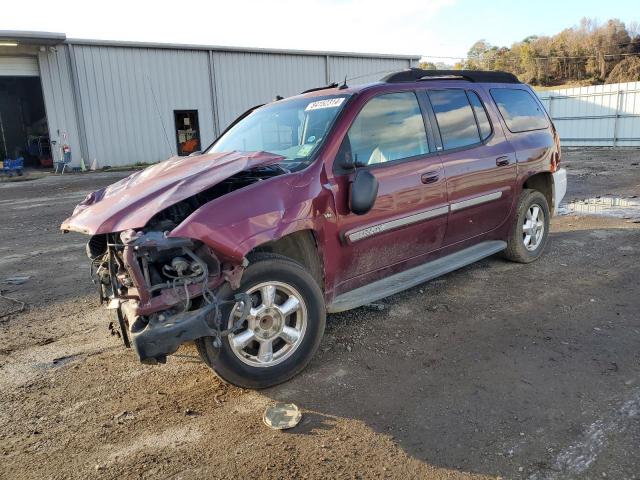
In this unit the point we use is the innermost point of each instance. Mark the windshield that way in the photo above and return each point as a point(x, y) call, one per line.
point(294, 129)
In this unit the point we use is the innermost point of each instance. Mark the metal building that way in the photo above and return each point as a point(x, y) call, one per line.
point(120, 103)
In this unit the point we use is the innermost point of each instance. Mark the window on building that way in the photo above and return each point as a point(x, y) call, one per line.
point(389, 127)
point(187, 131)
point(519, 109)
point(455, 118)
point(484, 126)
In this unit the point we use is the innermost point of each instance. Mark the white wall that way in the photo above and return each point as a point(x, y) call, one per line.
point(59, 101)
point(116, 100)
point(600, 115)
point(244, 80)
point(128, 96)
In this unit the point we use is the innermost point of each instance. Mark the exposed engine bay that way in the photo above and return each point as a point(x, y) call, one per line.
point(170, 217)
point(162, 288)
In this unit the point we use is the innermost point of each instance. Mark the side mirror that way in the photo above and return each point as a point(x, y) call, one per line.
point(363, 192)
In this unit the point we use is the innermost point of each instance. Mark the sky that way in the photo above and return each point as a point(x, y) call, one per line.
point(444, 28)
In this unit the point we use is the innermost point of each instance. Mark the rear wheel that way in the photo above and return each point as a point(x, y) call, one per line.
point(530, 231)
point(282, 331)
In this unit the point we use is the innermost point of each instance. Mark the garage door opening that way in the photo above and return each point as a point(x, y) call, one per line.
point(23, 122)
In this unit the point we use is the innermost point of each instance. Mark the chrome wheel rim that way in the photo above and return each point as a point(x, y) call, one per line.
point(533, 227)
point(274, 328)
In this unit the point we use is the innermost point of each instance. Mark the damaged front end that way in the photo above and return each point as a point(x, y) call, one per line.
point(162, 290)
point(161, 285)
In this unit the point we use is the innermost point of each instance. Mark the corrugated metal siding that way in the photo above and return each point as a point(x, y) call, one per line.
point(247, 79)
point(360, 70)
point(57, 89)
point(19, 67)
point(601, 115)
point(116, 102)
point(128, 96)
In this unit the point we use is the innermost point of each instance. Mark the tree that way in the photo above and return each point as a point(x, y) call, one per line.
point(476, 54)
point(427, 66)
point(587, 52)
point(628, 70)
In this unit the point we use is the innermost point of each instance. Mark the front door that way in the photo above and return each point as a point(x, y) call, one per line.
point(479, 164)
point(388, 137)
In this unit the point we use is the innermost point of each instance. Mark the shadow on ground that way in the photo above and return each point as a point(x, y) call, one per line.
point(498, 368)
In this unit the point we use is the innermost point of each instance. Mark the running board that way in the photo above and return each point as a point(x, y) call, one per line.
point(414, 276)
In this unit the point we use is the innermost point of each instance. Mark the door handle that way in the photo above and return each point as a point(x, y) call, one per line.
point(503, 161)
point(429, 177)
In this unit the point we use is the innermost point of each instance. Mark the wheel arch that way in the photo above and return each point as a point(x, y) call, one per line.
point(543, 183)
point(300, 246)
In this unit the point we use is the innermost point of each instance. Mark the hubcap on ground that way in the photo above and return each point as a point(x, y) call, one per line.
point(533, 227)
point(274, 328)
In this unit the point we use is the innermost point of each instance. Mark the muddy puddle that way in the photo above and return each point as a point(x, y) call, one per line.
point(627, 208)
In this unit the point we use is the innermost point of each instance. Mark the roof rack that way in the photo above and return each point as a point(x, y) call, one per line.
point(418, 74)
point(331, 85)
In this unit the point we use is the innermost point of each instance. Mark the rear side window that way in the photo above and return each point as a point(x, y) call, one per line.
point(455, 118)
point(389, 127)
point(519, 109)
point(481, 115)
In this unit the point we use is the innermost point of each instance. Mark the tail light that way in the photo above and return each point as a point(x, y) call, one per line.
point(557, 154)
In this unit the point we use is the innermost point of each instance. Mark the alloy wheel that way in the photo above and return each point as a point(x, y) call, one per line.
point(533, 227)
point(274, 328)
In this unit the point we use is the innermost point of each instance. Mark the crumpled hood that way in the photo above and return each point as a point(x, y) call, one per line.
point(133, 201)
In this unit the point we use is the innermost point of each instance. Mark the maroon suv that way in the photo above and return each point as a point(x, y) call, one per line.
point(322, 202)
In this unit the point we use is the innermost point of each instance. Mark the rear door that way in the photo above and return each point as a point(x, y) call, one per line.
point(528, 128)
point(389, 138)
point(479, 164)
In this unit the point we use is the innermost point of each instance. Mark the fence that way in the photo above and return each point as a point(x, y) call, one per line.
point(601, 115)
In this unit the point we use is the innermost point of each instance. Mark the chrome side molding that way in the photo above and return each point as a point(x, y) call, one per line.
point(367, 232)
point(471, 202)
point(361, 234)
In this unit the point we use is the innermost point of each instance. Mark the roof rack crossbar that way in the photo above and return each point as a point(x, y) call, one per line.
point(331, 85)
point(418, 74)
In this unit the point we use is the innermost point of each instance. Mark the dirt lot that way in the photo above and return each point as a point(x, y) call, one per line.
point(497, 370)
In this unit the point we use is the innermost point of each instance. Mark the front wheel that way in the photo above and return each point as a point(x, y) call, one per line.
point(530, 232)
point(282, 331)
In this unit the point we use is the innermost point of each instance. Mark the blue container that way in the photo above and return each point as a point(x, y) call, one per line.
point(13, 167)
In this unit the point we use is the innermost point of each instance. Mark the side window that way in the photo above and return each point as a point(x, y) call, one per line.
point(389, 127)
point(519, 110)
point(481, 114)
point(455, 118)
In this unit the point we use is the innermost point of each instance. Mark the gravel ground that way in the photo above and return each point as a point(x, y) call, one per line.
point(496, 370)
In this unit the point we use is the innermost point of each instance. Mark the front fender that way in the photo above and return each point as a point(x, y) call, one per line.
point(234, 224)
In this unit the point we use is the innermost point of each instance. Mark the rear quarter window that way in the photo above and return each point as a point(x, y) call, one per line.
point(519, 110)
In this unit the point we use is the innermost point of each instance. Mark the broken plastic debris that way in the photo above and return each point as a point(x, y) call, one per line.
point(282, 416)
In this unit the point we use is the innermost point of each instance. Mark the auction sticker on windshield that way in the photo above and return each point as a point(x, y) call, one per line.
point(328, 103)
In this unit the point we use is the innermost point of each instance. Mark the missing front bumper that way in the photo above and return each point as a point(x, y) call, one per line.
point(163, 337)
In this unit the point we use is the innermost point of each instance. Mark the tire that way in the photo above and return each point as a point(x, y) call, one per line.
point(517, 248)
point(246, 366)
